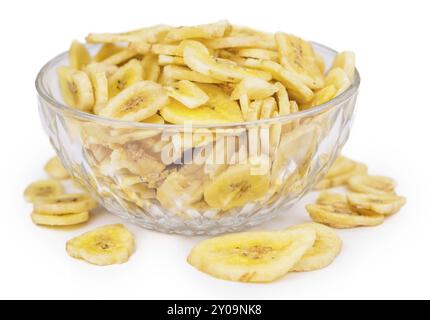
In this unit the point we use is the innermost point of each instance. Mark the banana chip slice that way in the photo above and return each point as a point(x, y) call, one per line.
point(43, 189)
point(294, 84)
point(343, 216)
point(136, 103)
point(220, 108)
point(151, 67)
point(125, 77)
point(326, 248)
point(60, 220)
point(253, 41)
point(254, 256)
point(235, 187)
point(182, 73)
point(76, 88)
point(104, 246)
point(64, 204)
point(338, 78)
point(254, 88)
point(259, 54)
point(106, 51)
point(54, 169)
point(79, 56)
point(101, 90)
point(179, 191)
point(197, 57)
point(383, 204)
point(298, 55)
point(188, 94)
point(208, 31)
point(371, 184)
point(346, 61)
point(342, 179)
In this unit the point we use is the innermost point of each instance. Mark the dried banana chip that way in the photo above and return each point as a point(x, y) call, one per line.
point(54, 169)
point(101, 90)
point(164, 60)
point(346, 61)
point(207, 31)
point(218, 109)
point(235, 187)
point(259, 42)
point(183, 73)
point(338, 78)
point(126, 76)
point(104, 246)
point(151, 68)
point(259, 54)
point(179, 191)
point(336, 180)
point(197, 57)
point(60, 220)
point(43, 189)
point(294, 84)
point(106, 51)
point(298, 56)
point(64, 204)
point(371, 184)
point(384, 204)
point(120, 57)
point(254, 88)
point(189, 94)
point(79, 56)
point(136, 103)
point(343, 216)
point(76, 88)
point(253, 256)
point(326, 248)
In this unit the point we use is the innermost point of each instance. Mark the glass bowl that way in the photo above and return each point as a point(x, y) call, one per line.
point(196, 180)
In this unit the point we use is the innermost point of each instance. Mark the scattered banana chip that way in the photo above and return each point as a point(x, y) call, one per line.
point(104, 246)
point(253, 256)
point(64, 204)
point(326, 248)
point(60, 220)
point(55, 169)
point(43, 189)
point(343, 216)
point(371, 184)
point(383, 204)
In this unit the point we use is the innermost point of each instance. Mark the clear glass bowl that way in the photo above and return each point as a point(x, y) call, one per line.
point(126, 168)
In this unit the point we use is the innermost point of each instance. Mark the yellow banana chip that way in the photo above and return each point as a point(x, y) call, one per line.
point(104, 246)
point(343, 216)
point(54, 168)
point(64, 204)
point(60, 221)
point(383, 204)
point(253, 256)
point(326, 248)
point(371, 184)
point(43, 189)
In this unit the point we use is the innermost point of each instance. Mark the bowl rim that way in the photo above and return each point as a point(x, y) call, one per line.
point(59, 106)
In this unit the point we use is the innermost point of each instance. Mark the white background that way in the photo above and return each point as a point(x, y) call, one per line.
point(391, 132)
